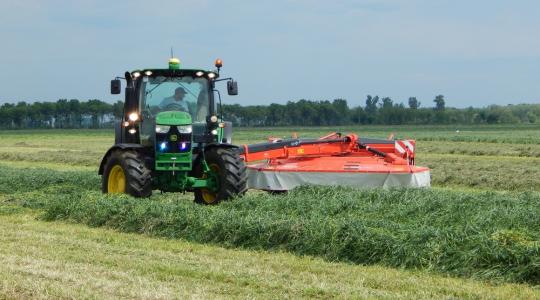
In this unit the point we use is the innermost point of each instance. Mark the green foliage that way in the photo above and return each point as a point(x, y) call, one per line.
point(99, 114)
point(376, 111)
point(414, 103)
point(439, 102)
point(61, 114)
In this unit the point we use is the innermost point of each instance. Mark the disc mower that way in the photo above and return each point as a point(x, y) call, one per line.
point(172, 138)
point(334, 159)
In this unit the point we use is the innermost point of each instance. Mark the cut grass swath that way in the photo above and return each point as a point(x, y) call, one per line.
point(483, 235)
point(488, 235)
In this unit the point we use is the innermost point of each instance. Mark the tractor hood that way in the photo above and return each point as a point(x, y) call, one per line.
point(173, 118)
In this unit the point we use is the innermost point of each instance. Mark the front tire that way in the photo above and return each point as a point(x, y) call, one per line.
point(230, 170)
point(126, 172)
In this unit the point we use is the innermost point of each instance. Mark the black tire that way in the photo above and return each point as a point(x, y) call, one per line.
point(232, 175)
point(138, 177)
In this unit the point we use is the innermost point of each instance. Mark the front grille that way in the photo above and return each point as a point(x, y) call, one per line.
point(173, 141)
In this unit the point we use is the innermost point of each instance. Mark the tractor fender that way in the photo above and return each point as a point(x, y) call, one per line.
point(220, 145)
point(122, 146)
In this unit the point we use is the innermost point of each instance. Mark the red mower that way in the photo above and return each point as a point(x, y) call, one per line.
point(282, 165)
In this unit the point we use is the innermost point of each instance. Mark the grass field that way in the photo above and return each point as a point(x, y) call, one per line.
point(479, 225)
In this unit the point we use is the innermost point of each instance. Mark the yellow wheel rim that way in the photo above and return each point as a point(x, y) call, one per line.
point(208, 196)
point(117, 180)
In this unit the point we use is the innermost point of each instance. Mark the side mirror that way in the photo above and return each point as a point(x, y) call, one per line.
point(232, 88)
point(116, 86)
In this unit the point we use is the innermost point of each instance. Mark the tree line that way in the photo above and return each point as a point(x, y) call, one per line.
point(60, 114)
point(377, 110)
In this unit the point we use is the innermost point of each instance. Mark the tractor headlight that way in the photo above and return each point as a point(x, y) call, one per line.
point(163, 146)
point(185, 129)
point(211, 75)
point(162, 128)
point(133, 117)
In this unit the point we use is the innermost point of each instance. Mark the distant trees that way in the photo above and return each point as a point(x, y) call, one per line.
point(413, 103)
point(439, 103)
point(371, 104)
point(371, 108)
point(60, 114)
point(377, 110)
point(95, 113)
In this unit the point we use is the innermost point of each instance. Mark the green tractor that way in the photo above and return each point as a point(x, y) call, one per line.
point(172, 138)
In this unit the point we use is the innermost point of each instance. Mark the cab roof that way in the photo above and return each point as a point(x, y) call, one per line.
point(173, 73)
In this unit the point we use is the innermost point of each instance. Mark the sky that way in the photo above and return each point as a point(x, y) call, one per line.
point(475, 53)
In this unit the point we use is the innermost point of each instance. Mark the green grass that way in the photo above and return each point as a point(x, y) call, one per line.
point(484, 235)
point(486, 164)
point(59, 260)
point(503, 173)
point(507, 134)
point(478, 149)
point(460, 228)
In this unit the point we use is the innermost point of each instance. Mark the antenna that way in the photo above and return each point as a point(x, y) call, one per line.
point(172, 52)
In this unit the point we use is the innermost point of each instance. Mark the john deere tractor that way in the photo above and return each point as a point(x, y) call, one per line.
point(172, 137)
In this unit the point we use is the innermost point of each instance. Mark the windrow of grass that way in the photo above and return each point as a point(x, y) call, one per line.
point(71, 261)
point(483, 172)
point(478, 149)
point(14, 180)
point(503, 173)
point(487, 235)
point(483, 235)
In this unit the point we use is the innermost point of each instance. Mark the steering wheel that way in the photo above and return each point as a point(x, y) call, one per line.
point(175, 106)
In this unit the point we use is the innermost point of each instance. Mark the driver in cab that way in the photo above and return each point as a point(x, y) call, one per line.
point(175, 102)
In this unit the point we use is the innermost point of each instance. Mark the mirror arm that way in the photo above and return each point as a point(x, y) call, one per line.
point(222, 79)
point(129, 80)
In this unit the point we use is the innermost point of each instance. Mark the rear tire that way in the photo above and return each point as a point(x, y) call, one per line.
point(232, 176)
point(137, 176)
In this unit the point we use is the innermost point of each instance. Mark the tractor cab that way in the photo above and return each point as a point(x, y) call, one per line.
point(173, 129)
point(150, 92)
point(163, 93)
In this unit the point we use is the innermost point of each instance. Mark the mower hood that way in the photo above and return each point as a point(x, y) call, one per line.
point(173, 118)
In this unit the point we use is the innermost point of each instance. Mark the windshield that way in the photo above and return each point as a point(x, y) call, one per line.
point(175, 94)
